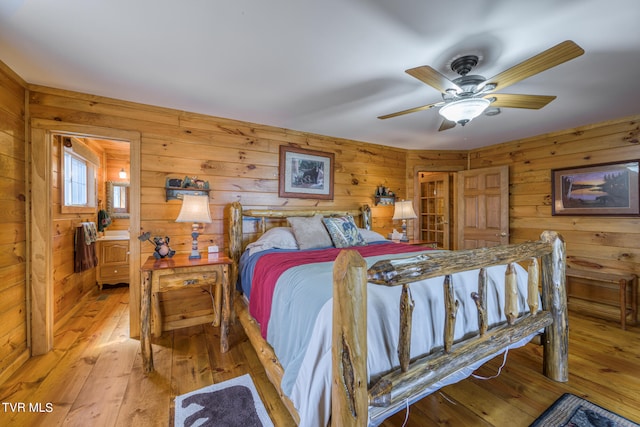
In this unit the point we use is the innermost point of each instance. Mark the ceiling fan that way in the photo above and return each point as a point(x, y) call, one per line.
point(468, 96)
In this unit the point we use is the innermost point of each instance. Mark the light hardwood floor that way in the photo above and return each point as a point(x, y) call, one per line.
point(94, 376)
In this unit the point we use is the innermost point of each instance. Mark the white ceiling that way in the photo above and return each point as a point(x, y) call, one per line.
point(332, 66)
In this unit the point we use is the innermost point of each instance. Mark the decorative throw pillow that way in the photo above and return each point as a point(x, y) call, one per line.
point(344, 232)
point(274, 238)
point(310, 232)
point(371, 236)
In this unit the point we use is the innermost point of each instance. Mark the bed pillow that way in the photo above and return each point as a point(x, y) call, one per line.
point(371, 236)
point(344, 232)
point(310, 232)
point(274, 238)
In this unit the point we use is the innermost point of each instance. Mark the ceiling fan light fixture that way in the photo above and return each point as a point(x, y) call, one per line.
point(464, 110)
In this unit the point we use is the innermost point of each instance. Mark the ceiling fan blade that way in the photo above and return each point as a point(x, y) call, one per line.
point(508, 100)
point(551, 57)
point(411, 110)
point(433, 78)
point(446, 124)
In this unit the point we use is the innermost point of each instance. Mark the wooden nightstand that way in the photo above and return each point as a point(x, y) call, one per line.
point(167, 274)
point(433, 245)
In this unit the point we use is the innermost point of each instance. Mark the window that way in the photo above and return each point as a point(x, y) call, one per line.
point(75, 180)
point(78, 177)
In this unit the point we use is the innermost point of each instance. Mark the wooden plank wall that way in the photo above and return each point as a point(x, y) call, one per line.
point(13, 230)
point(604, 244)
point(240, 160)
point(115, 157)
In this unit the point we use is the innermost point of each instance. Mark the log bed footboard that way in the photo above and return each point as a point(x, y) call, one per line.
point(351, 399)
point(354, 402)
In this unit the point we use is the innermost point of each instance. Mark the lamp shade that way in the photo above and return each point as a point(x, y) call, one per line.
point(404, 210)
point(194, 209)
point(464, 110)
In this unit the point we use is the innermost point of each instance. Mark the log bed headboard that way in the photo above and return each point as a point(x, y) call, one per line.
point(237, 214)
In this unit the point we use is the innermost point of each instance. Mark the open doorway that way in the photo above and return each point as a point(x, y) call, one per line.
point(43, 172)
point(435, 207)
point(98, 196)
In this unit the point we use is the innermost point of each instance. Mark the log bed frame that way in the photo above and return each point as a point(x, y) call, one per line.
point(354, 402)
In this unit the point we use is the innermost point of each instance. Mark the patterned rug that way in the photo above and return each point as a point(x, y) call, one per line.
point(573, 411)
point(231, 403)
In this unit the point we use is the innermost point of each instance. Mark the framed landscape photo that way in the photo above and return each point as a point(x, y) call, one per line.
point(604, 189)
point(305, 174)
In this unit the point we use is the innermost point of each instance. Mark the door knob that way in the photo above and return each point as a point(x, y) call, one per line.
point(503, 234)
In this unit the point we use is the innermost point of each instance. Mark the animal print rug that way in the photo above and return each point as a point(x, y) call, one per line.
point(230, 403)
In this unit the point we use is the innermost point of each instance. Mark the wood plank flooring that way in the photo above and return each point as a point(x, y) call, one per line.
point(94, 376)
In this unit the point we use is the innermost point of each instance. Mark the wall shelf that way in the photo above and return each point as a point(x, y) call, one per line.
point(177, 193)
point(385, 200)
point(176, 188)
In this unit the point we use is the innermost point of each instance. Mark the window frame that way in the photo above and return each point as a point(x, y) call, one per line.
point(67, 147)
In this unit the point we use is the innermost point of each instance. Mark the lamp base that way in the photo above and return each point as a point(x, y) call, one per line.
point(194, 243)
point(404, 238)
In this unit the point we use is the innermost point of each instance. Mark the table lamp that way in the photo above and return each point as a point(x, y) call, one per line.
point(195, 209)
point(404, 211)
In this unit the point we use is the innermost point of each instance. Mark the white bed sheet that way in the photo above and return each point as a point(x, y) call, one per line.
point(311, 389)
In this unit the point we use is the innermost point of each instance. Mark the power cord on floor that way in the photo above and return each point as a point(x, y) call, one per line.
point(504, 362)
point(406, 417)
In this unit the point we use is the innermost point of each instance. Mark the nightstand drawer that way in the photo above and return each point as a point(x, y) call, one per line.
point(180, 280)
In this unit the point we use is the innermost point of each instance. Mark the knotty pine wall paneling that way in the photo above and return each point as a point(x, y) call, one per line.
point(238, 159)
point(13, 225)
point(115, 158)
point(599, 243)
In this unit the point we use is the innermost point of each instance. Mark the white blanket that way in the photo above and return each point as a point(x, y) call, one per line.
point(304, 349)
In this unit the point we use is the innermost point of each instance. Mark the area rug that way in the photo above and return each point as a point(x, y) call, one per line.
point(573, 411)
point(227, 404)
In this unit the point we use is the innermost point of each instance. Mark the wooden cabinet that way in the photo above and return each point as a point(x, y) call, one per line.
point(113, 262)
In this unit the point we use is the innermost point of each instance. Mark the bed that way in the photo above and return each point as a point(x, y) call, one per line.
point(385, 324)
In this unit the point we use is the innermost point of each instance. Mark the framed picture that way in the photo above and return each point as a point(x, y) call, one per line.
point(305, 174)
point(604, 189)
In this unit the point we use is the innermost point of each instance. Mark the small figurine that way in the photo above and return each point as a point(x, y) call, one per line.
point(161, 243)
point(187, 182)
